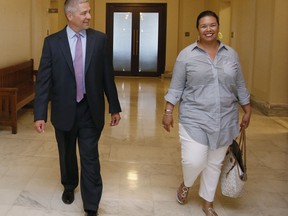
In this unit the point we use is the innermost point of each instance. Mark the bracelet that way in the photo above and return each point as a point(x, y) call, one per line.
point(168, 110)
point(168, 114)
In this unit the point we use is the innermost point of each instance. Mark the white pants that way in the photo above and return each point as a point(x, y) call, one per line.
point(198, 158)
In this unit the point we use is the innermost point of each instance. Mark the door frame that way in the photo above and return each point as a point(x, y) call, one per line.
point(161, 57)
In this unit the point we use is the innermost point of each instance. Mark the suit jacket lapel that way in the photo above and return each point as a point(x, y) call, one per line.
point(90, 44)
point(65, 48)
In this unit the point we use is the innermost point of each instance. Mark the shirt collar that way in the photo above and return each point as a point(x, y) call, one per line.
point(194, 46)
point(222, 45)
point(72, 33)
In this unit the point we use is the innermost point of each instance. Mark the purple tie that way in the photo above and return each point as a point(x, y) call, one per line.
point(78, 67)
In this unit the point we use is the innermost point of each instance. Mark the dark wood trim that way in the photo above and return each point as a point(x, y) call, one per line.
point(161, 8)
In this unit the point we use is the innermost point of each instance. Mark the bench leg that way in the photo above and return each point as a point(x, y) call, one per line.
point(14, 129)
point(14, 122)
point(14, 114)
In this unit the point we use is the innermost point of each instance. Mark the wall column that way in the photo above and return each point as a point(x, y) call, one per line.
point(260, 39)
point(270, 76)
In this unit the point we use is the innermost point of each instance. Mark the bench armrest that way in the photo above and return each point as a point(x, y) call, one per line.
point(8, 91)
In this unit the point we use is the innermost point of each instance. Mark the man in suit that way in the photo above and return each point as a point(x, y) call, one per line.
point(77, 107)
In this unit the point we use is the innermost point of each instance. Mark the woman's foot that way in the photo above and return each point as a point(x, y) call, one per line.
point(182, 193)
point(210, 211)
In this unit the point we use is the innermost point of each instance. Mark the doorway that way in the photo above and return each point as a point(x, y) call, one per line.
point(137, 33)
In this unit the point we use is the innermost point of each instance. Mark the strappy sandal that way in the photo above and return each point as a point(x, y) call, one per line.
point(182, 193)
point(210, 212)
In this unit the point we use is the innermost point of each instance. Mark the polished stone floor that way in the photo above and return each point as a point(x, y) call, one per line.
point(140, 164)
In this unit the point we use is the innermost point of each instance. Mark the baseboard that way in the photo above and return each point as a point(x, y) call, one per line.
point(269, 109)
point(167, 74)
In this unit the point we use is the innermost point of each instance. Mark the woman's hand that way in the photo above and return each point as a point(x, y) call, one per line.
point(167, 121)
point(246, 117)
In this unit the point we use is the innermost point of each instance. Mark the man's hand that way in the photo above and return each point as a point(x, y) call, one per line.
point(39, 126)
point(115, 119)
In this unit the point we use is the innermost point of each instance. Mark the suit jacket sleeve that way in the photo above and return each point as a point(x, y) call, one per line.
point(43, 84)
point(109, 82)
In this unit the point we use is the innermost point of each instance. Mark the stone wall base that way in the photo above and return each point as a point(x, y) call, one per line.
point(280, 110)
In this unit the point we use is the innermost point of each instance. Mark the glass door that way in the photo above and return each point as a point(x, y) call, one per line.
point(137, 33)
point(148, 42)
point(122, 41)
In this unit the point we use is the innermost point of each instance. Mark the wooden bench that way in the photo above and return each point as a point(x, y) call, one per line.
point(17, 89)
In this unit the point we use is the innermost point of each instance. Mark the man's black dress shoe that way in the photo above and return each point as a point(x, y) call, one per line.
point(91, 213)
point(68, 196)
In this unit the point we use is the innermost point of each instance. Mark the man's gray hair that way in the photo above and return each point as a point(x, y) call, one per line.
point(71, 5)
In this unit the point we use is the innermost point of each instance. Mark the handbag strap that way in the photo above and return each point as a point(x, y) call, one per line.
point(242, 146)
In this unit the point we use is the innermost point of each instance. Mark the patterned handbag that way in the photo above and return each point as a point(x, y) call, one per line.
point(234, 171)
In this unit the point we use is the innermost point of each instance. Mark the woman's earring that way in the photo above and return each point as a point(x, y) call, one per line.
point(220, 36)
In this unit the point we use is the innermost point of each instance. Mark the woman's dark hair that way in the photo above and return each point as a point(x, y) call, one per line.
point(207, 13)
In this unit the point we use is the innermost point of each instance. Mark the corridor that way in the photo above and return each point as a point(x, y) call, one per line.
point(141, 165)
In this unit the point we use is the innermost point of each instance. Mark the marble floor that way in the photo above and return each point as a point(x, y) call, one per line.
point(140, 164)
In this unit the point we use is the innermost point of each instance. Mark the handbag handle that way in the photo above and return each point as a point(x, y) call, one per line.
point(242, 146)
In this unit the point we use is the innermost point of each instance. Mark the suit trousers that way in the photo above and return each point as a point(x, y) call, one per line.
point(85, 132)
point(198, 159)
